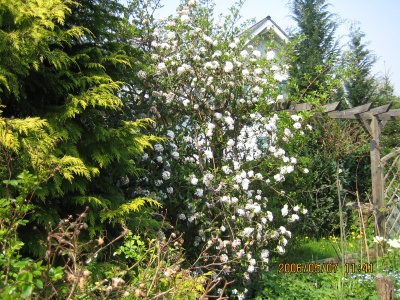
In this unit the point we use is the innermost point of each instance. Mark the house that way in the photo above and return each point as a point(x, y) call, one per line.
point(266, 29)
point(263, 32)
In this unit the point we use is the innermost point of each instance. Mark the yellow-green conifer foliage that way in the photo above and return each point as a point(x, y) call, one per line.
point(61, 116)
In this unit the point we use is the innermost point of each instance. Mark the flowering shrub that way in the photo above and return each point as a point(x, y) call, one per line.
point(212, 94)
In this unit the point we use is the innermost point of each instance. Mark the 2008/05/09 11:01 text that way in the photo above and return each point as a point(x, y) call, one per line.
point(323, 268)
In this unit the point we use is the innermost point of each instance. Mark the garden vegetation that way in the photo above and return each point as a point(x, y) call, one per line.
point(145, 159)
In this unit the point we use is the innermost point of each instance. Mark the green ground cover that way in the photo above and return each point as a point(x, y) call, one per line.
point(298, 275)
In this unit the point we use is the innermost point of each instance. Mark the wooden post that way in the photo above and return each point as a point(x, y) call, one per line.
point(384, 287)
point(378, 200)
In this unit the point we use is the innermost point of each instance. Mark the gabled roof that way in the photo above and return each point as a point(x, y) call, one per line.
point(266, 25)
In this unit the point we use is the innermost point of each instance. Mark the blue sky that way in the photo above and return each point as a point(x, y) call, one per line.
point(378, 19)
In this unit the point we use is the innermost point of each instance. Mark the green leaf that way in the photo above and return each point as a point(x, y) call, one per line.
point(27, 290)
point(56, 273)
point(38, 283)
point(21, 264)
point(25, 276)
point(12, 182)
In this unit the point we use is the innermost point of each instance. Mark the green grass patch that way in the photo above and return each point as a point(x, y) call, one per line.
point(308, 250)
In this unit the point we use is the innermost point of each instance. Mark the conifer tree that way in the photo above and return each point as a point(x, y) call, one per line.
point(360, 84)
point(385, 94)
point(315, 76)
point(315, 52)
point(60, 91)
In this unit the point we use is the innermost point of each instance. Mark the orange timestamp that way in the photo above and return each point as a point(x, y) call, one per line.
point(307, 267)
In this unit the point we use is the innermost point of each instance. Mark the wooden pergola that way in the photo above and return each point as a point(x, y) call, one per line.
point(373, 120)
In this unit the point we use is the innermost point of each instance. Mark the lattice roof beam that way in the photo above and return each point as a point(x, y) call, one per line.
point(308, 106)
point(390, 115)
point(371, 115)
point(351, 113)
point(376, 111)
point(330, 107)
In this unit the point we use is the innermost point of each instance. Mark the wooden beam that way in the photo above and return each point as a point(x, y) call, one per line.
point(350, 113)
point(390, 155)
point(375, 111)
point(391, 114)
point(300, 107)
point(330, 107)
point(280, 105)
point(366, 125)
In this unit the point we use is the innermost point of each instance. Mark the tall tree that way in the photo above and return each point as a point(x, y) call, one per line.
point(385, 91)
point(316, 50)
point(384, 95)
point(359, 85)
point(315, 76)
point(54, 69)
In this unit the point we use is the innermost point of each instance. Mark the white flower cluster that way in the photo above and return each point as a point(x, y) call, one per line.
point(209, 87)
point(393, 243)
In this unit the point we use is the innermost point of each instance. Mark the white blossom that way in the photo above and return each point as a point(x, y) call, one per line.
point(185, 19)
point(280, 249)
point(250, 269)
point(166, 175)
point(199, 192)
point(161, 67)
point(171, 35)
point(228, 67)
point(297, 125)
point(270, 55)
point(142, 74)
point(279, 177)
point(244, 53)
point(285, 210)
point(270, 216)
point(241, 212)
point(224, 258)
point(257, 53)
point(394, 243)
point(226, 169)
point(217, 53)
point(293, 218)
point(208, 154)
point(379, 239)
point(194, 181)
point(248, 231)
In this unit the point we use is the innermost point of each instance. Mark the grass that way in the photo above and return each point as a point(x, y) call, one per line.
point(307, 250)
